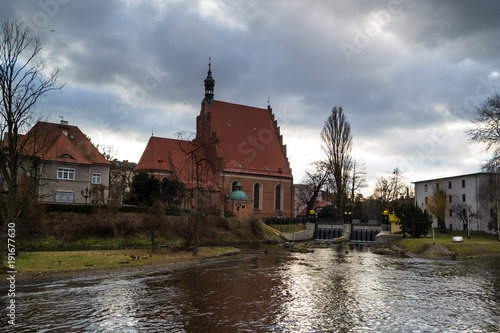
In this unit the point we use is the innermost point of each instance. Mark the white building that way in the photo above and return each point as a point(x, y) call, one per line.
point(467, 197)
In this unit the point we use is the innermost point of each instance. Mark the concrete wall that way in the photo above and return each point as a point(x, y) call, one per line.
point(298, 236)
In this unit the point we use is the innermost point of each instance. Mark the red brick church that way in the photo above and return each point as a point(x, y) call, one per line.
point(238, 158)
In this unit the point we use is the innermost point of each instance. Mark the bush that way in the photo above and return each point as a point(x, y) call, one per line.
point(31, 222)
point(66, 208)
point(412, 216)
point(133, 209)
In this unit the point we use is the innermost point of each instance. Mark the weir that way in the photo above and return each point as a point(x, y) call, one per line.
point(359, 233)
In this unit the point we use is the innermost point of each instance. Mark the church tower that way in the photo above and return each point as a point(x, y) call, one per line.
point(209, 85)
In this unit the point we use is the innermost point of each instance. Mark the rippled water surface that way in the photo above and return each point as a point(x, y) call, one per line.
point(345, 289)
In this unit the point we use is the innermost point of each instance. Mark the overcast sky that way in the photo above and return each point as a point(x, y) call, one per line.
point(408, 74)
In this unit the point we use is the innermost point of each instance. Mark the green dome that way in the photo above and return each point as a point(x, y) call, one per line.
point(237, 195)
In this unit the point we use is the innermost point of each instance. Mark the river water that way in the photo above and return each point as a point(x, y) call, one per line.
point(341, 289)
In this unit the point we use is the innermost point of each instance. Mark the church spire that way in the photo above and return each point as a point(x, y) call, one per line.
point(209, 85)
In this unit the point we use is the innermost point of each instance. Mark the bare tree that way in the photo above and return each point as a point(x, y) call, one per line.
point(465, 213)
point(337, 144)
point(487, 126)
point(153, 221)
point(23, 83)
point(120, 180)
point(200, 167)
point(108, 151)
point(308, 193)
point(487, 131)
point(390, 189)
point(358, 179)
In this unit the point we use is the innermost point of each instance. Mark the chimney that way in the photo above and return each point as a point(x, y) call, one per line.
point(64, 125)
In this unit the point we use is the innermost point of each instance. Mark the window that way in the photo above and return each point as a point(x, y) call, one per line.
point(277, 198)
point(256, 196)
point(451, 213)
point(233, 186)
point(437, 187)
point(463, 182)
point(96, 178)
point(425, 187)
point(426, 200)
point(449, 185)
point(68, 174)
point(63, 196)
point(463, 197)
point(450, 198)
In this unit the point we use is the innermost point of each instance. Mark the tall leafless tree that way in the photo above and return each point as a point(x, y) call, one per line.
point(358, 179)
point(487, 131)
point(23, 82)
point(336, 139)
point(200, 167)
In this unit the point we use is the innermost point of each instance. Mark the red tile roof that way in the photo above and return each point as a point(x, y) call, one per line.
point(175, 158)
point(157, 149)
point(63, 150)
point(62, 143)
point(249, 139)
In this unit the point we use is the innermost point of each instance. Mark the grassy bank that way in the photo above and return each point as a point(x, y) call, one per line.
point(442, 246)
point(56, 265)
point(67, 260)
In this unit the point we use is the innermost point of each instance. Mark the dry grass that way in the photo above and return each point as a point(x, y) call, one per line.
point(70, 260)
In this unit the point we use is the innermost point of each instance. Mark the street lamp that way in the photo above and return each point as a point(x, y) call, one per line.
point(238, 206)
point(85, 194)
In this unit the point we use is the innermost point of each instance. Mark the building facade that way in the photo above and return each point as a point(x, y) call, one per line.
point(70, 169)
point(241, 146)
point(470, 199)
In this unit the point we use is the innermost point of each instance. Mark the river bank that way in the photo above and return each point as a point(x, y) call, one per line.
point(442, 246)
point(89, 264)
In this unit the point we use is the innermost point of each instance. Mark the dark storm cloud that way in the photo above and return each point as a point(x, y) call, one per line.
point(401, 69)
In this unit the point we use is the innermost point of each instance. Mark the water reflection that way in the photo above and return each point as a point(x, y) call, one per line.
point(344, 289)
